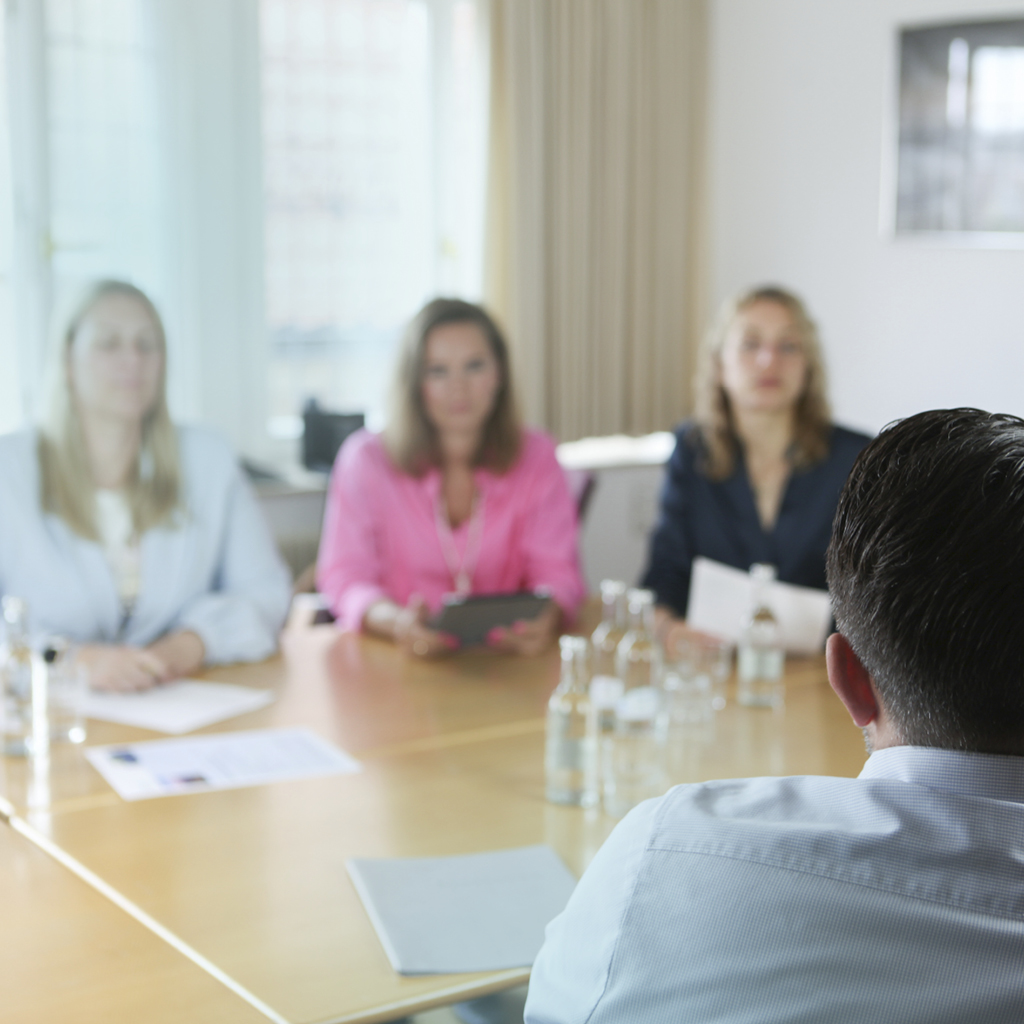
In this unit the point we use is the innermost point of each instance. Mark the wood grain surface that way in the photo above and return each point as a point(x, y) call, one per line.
point(69, 954)
point(255, 880)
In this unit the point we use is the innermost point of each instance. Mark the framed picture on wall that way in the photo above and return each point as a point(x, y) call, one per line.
point(959, 172)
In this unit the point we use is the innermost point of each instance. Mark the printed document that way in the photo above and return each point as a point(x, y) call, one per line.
point(720, 599)
point(223, 761)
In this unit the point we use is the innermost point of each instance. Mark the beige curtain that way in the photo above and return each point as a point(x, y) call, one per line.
point(594, 233)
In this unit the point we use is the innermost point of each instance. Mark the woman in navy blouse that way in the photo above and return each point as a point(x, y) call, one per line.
point(757, 472)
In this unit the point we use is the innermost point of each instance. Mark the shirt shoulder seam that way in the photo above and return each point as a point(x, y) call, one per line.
point(833, 877)
point(626, 904)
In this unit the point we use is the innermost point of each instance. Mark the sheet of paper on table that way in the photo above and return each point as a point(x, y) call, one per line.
point(223, 761)
point(176, 707)
point(720, 598)
point(477, 912)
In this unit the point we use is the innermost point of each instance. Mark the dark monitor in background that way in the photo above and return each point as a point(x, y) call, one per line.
point(323, 434)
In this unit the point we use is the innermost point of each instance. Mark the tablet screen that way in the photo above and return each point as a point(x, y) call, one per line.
point(472, 618)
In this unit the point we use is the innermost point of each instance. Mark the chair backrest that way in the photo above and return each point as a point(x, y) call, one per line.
point(581, 486)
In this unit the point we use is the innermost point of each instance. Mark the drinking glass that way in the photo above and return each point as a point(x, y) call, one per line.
point(66, 685)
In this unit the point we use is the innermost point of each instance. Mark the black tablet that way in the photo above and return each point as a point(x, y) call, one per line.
point(472, 618)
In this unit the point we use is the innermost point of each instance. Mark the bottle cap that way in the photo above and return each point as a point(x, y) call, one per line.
point(639, 598)
point(571, 646)
point(14, 608)
point(638, 705)
point(605, 691)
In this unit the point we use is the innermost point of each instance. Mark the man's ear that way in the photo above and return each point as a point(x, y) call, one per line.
point(851, 681)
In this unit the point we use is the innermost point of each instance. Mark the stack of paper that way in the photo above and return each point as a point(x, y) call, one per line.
point(176, 707)
point(449, 915)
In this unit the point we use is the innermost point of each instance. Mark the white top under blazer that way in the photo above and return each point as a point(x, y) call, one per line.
point(213, 569)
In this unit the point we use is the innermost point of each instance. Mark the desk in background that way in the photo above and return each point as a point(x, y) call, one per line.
point(254, 880)
point(294, 511)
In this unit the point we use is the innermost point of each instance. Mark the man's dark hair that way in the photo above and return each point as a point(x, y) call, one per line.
point(926, 572)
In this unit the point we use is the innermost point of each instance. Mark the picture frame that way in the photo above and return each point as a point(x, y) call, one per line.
point(955, 173)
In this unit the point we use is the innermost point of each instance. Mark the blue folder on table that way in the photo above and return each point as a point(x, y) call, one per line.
point(450, 915)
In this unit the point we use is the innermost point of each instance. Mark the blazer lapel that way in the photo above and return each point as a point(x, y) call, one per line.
point(740, 517)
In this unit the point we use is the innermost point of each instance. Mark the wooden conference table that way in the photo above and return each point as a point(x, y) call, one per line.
point(236, 906)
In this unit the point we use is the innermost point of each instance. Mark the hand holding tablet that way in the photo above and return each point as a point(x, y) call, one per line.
point(476, 619)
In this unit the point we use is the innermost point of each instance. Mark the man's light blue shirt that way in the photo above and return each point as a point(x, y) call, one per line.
point(896, 896)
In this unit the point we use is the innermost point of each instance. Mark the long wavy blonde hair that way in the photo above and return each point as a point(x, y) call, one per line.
point(67, 488)
point(409, 437)
point(713, 414)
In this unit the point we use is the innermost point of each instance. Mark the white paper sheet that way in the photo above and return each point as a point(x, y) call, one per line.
point(477, 912)
point(720, 598)
point(177, 707)
point(224, 761)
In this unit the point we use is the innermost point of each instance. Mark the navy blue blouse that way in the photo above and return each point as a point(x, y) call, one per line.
point(718, 518)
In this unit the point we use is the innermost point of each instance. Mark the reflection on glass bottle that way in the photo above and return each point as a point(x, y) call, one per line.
point(639, 658)
point(611, 630)
point(605, 685)
point(761, 657)
point(570, 757)
point(16, 672)
point(633, 757)
point(65, 690)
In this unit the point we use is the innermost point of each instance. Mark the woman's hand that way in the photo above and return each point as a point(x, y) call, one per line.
point(122, 668)
point(675, 636)
point(127, 669)
point(527, 636)
point(414, 636)
point(408, 628)
point(182, 653)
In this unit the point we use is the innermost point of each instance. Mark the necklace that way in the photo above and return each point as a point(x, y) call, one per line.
point(461, 568)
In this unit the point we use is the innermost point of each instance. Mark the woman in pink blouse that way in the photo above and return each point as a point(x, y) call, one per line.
point(455, 496)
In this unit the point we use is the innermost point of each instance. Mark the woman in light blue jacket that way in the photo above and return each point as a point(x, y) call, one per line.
point(141, 541)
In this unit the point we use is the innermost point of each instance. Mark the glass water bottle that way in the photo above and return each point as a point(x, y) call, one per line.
point(633, 753)
point(638, 659)
point(605, 684)
point(761, 656)
point(614, 623)
point(570, 757)
point(16, 664)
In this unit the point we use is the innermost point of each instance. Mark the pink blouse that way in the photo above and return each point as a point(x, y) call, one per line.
point(381, 538)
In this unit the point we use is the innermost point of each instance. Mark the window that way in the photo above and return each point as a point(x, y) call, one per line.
point(961, 129)
point(373, 135)
point(10, 397)
point(289, 179)
point(104, 145)
point(83, 166)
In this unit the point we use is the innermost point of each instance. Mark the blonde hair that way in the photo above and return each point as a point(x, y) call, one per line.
point(67, 488)
point(713, 415)
point(409, 437)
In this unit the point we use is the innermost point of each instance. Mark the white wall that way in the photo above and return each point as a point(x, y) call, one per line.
point(801, 93)
point(616, 531)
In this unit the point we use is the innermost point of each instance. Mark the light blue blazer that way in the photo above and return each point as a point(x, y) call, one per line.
point(215, 571)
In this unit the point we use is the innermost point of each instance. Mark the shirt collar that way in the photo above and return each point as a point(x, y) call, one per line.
point(993, 776)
